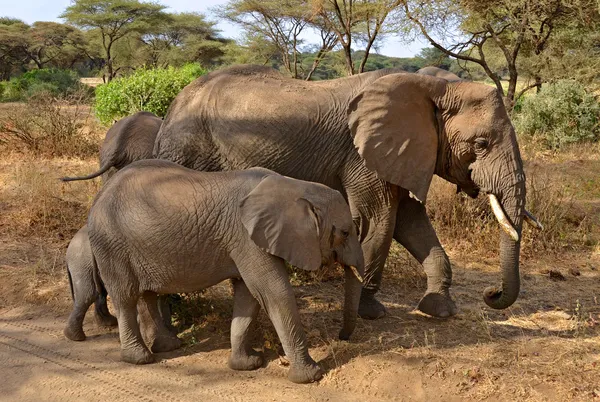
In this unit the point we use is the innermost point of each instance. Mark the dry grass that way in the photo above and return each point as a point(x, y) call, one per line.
point(51, 126)
point(35, 203)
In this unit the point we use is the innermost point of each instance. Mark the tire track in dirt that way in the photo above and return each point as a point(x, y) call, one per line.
point(182, 378)
point(106, 377)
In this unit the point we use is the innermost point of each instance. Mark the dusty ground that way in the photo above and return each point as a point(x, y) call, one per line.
point(545, 347)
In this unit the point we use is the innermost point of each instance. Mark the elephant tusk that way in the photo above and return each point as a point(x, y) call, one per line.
point(356, 273)
point(502, 219)
point(532, 220)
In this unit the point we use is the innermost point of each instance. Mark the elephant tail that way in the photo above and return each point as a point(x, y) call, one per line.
point(97, 173)
point(70, 283)
point(100, 289)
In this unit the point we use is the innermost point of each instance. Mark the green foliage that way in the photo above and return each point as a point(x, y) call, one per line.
point(562, 113)
point(150, 90)
point(48, 80)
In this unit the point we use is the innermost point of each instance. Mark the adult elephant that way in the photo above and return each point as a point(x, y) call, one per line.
point(440, 73)
point(406, 128)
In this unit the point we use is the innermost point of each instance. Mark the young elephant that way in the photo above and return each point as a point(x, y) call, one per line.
point(128, 140)
point(80, 269)
point(85, 290)
point(157, 227)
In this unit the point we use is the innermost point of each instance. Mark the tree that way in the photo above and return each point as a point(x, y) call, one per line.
point(435, 57)
point(113, 20)
point(281, 22)
point(181, 38)
point(355, 19)
point(13, 46)
point(476, 30)
point(48, 41)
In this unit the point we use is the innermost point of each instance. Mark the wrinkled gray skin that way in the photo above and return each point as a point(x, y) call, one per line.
point(128, 140)
point(85, 291)
point(157, 227)
point(439, 73)
point(80, 268)
point(406, 127)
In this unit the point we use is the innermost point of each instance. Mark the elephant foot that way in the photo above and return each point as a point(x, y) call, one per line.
point(370, 308)
point(106, 320)
point(137, 355)
point(246, 361)
point(74, 334)
point(304, 374)
point(438, 305)
point(165, 344)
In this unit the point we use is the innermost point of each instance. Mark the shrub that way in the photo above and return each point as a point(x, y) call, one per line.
point(52, 126)
point(150, 90)
point(562, 113)
point(51, 80)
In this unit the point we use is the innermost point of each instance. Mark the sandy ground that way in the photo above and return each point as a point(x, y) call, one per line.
point(546, 347)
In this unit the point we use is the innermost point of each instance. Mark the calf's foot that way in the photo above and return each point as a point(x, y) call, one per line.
point(306, 373)
point(165, 343)
point(137, 355)
point(246, 361)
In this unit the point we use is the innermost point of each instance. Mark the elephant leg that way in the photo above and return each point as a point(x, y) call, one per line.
point(103, 317)
point(133, 349)
point(415, 232)
point(165, 303)
point(245, 310)
point(153, 327)
point(267, 279)
point(74, 328)
point(376, 238)
point(83, 297)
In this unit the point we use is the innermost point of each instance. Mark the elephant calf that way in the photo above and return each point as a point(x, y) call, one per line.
point(158, 227)
point(80, 268)
point(128, 140)
point(85, 292)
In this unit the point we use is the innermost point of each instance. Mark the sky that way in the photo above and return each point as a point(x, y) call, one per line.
point(49, 10)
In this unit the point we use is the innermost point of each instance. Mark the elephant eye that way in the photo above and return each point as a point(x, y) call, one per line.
point(481, 144)
point(345, 234)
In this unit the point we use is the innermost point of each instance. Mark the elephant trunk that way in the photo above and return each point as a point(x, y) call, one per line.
point(353, 288)
point(513, 205)
point(354, 270)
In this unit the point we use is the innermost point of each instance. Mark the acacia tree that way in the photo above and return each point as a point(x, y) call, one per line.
point(282, 22)
point(363, 20)
point(183, 37)
point(113, 20)
point(13, 46)
point(475, 30)
point(49, 40)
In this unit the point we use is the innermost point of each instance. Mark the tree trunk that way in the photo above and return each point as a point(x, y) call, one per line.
point(363, 62)
point(348, 55)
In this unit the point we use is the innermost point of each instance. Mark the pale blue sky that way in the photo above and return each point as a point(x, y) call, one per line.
point(49, 10)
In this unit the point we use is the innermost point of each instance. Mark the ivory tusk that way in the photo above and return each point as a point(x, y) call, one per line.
point(502, 219)
point(532, 220)
point(355, 272)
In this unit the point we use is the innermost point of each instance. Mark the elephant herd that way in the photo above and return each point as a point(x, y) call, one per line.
point(250, 169)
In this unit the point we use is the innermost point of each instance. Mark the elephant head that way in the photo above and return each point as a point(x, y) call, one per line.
point(308, 225)
point(407, 127)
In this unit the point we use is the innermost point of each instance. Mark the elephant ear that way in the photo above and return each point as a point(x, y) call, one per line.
point(394, 127)
point(283, 222)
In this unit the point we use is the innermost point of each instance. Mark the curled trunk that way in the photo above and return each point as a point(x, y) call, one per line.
point(513, 203)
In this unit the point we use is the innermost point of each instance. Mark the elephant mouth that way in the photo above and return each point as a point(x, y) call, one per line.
point(471, 190)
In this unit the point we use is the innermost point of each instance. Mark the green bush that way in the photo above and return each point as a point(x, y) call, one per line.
point(47, 80)
point(150, 90)
point(562, 113)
